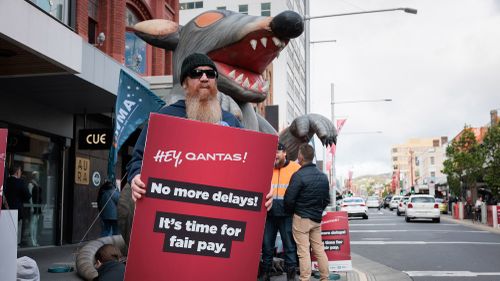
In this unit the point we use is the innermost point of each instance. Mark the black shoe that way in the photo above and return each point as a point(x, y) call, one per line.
point(290, 274)
point(266, 276)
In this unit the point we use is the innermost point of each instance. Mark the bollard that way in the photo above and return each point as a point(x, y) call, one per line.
point(460, 210)
point(494, 215)
point(484, 213)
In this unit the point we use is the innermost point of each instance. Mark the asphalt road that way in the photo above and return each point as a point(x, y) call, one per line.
point(427, 251)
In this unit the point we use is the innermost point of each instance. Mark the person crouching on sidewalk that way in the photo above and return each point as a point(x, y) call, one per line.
point(306, 197)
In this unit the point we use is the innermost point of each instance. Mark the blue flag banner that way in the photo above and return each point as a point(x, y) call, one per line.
point(134, 102)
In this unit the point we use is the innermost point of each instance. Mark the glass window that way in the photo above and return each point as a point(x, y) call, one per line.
point(131, 18)
point(191, 5)
point(432, 160)
point(265, 9)
point(221, 8)
point(243, 9)
point(394, 159)
point(433, 174)
point(56, 8)
point(422, 199)
point(93, 8)
point(39, 159)
point(135, 53)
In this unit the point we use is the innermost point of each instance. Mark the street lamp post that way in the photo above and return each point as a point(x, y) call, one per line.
point(333, 171)
point(307, 50)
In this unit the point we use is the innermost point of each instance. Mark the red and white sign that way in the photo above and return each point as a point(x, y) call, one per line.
point(203, 214)
point(3, 147)
point(336, 240)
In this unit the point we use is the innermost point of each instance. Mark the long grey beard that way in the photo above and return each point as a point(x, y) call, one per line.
point(205, 111)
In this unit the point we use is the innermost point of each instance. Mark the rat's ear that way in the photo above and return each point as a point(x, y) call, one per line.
point(159, 33)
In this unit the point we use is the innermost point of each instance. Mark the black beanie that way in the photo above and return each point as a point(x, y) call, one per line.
point(193, 61)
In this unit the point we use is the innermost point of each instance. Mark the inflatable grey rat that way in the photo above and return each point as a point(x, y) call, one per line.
point(241, 46)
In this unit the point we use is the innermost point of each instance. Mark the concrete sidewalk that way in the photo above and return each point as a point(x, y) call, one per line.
point(46, 257)
point(365, 270)
point(469, 223)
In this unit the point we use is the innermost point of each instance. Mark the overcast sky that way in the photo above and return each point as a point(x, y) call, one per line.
point(441, 67)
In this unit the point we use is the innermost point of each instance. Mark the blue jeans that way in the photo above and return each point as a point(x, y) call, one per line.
point(284, 226)
point(109, 227)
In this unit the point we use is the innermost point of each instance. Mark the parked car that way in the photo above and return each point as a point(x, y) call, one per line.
point(387, 200)
point(402, 205)
point(422, 207)
point(373, 202)
point(443, 206)
point(355, 207)
point(394, 202)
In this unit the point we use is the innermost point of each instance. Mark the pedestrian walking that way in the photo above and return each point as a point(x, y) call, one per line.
point(278, 219)
point(306, 197)
point(17, 194)
point(107, 201)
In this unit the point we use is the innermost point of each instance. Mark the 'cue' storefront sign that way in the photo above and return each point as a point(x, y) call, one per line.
point(95, 138)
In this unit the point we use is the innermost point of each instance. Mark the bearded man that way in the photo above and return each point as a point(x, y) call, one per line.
point(199, 80)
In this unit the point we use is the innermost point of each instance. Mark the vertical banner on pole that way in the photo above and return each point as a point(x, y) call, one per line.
point(336, 240)
point(3, 148)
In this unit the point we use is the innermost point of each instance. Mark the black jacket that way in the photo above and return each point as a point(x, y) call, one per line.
point(308, 193)
point(111, 271)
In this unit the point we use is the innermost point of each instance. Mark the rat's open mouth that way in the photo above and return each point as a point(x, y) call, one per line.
point(244, 61)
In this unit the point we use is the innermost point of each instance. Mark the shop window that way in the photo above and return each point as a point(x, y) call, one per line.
point(265, 9)
point(40, 160)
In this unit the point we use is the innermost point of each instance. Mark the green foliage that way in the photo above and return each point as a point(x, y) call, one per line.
point(465, 162)
point(491, 145)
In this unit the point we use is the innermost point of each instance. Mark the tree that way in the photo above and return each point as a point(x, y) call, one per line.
point(465, 162)
point(491, 145)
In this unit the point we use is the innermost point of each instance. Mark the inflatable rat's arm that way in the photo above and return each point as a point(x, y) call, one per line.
point(303, 128)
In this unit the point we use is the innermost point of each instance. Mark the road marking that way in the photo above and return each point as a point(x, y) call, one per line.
point(450, 273)
point(421, 243)
point(371, 224)
point(414, 230)
point(377, 238)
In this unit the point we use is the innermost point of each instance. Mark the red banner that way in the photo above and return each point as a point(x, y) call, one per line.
point(203, 214)
point(3, 147)
point(336, 240)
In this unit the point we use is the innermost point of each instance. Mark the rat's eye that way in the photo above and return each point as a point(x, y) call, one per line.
point(207, 19)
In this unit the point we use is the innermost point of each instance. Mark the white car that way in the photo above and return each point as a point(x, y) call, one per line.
point(355, 207)
point(402, 206)
point(394, 202)
point(373, 202)
point(422, 207)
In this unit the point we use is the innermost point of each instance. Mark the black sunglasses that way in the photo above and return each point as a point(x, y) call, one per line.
point(198, 73)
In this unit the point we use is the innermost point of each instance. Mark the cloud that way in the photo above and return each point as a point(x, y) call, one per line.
point(440, 67)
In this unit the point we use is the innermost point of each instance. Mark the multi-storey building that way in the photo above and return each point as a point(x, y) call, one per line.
point(408, 157)
point(288, 70)
point(60, 62)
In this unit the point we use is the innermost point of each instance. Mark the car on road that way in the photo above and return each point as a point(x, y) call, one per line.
point(443, 206)
point(387, 200)
point(402, 206)
point(373, 202)
point(355, 207)
point(394, 202)
point(422, 206)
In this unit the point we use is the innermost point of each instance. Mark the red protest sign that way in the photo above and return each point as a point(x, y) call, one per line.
point(203, 213)
point(336, 240)
point(3, 147)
